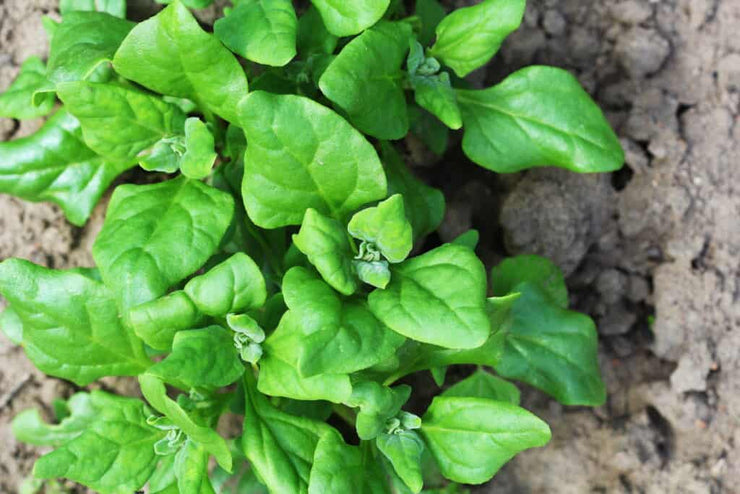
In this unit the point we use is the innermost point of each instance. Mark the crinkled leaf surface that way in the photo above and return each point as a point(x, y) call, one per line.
point(112, 7)
point(200, 154)
point(472, 438)
point(54, 164)
point(386, 227)
point(17, 100)
point(404, 451)
point(364, 80)
point(482, 384)
point(170, 54)
point(349, 17)
point(435, 94)
point(191, 469)
point(263, 31)
point(339, 467)
point(157, 321)
point(468, 37)
point(302, 155)
point(29, 427)
point(538, 116)
point(118, 123)
point(71, 325)
point(156, 235)
point(377, 404)
point(438, 298)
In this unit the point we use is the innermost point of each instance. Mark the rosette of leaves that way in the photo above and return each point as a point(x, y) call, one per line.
point(276, 269)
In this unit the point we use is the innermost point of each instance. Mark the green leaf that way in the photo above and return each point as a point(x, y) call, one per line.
point(83, 45)
point(113, 454)
point(302, 155)
point(163, 480)
point(468, 239)
point(118, 123)
point(279, 446)
point(29, 427)
point(342, 468)
point(191, 4)
point(11, 325)
point(375, 273)
point(423, 304)
point(313, 37)
point(164, 156)
point(468, 37)
point(156, 235)
point(199, 155)
point(537, 270)
point(431, 13)
point(482, 384)
point(552, 348)
point(325, 243)
point(71, 326)
point(424, 206)
point(201, 358)
point(323, 334)
point(191, 469)
point(404, 451)
point(54, 164)
point(155, 393)
point(377, 404)
point(263, 31)
point(429, 130)
point(112, 7)
point(364, 80)
point(156, 322)
point(538, 116)
point(170, 54)
point(235, 285)
point(435, 94)
point(386, 227)
point(17, 100)
point(349, 17)
point(472, 438)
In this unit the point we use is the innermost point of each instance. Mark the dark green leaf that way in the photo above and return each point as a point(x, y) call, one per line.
point(17, 100)
point(430, 12)
point(468, 239)
point(349, 17)
point(313, 37)
point(537, 270)
point(429, 130)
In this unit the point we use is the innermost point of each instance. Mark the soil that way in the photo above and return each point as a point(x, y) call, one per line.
point(652, 252)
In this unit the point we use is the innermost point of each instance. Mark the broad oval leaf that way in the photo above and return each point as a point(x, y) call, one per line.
point(302, 155)
point(472, 438)
point(438, 298)
point(339, 467)
point(538, 116)
point(386, 227)
point(482, 384)
point(156, 235)
point(468, 37)
point(157, 321)
point(17, 100)
point(404, 451)
point(349, 17)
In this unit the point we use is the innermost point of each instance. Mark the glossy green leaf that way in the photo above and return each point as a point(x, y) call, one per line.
point(235, 285)
point(377, 404)
point(279, 446)
point(54, 164)
point(472, 438)
point(350, 17)
point(191, 469)
point(201, 358)
point(374, 273)
point(537, 270)
point(156, 235)
point(11, 325)
point(199, 154)
point(113, 454)
point(29, 427)
point(118, 123)
point(302, 155)
point(552, 349)
point(482, 384)
point(325, 243)
point(263, 31)
point(342, 468)
point(404, 451)
point(386, 227)
point(468, 37)
point(112, 7)
point(17, 100)
point(435, 94)
point(538, 116)
point(364, 80)
point(424, 206)
point(157, 321)
point(71, 326)
point(430, 13)
point(170, 54)
point(313, 37)
point(438, 298)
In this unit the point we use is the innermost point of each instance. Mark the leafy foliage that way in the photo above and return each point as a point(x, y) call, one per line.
point(284, 275)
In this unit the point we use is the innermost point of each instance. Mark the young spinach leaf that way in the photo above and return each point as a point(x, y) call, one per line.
point(17, 101)
point(350, 17)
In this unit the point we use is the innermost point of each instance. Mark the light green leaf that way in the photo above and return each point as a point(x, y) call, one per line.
point(29, 427)
point(438, 298)
point(263, 31)
point(468, 37)
point(71, 325)
point(302, 155)
point(279, 446)
point(435, 94)
point(349, 17)
point(157, 321)
point(364, 80)
point(118, 123)
point(537, 270)
point(191, 469)
point(170, 54)
point(342, 468)
point(431, 13)
point(386, 227)
point(482, 384)
point(538, 116)
point(113, 454)
point(404, 451)
point(325, 243)
point(112, 7)
point(377, 404)
point(165, 156)
point(235, 285)
point(472, 438)
point(313, 37)
point(199, 154)
point(17, 100)
point(201, 358)
point(375, 273)
point(163, 479)
point(54, 164)
point(11, 325)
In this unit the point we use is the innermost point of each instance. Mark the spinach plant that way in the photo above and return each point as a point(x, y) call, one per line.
point(277, 270)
